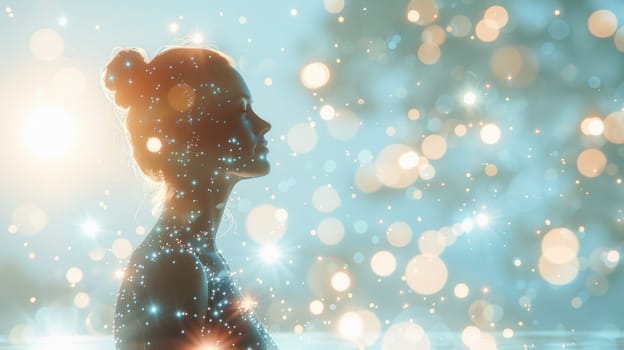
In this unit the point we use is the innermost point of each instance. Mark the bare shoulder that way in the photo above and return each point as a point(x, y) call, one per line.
point(174, 280)
point(163, 299)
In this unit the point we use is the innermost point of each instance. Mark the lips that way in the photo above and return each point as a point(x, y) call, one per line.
point(262, 147)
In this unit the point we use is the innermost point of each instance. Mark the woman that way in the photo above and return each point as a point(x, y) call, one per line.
point(191, 126)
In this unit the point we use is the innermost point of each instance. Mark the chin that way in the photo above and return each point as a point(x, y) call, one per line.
point(259, 169)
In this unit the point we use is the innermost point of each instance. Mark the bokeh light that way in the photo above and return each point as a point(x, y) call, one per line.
point(426, 274)
point(46, 44)
point(49, 131)
point(315, 75)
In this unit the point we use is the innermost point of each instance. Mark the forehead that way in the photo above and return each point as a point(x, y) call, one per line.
point(225, 84)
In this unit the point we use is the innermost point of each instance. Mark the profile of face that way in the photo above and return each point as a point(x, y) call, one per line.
point(190, 117)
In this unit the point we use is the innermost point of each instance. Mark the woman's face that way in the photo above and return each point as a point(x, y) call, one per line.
point(234, 137)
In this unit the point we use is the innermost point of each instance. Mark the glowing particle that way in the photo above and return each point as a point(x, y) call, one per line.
point(558, 274)
point(434, 146)
point(431, 242)
point(471, 336)
point(602, 23)
point(334, 6)
point(350, 326)
point(316, 307)
point(314, 75)
point(270, 253)
point(470, 98)
point(73, 275)
point(413, 16)
point(591, 162)
point(461, 290)
point(508, 333)
point(242, 20)
point(460, 130)
point(618, 39)
point(268, 81)
point(153, 144)
point(197, 38)
point(266, 223)
point(383, 263)
point(560, 246)
point(302, 138)
point(62, 21)
point(326, 199)
point(395, 166)
point(429, 53)
point(490, 134)
point(46, 44)
point(28, 219)
point(174, 27)
point(426, 274)
point(409, 160)
point(81, 300)
point(482, 220)
point(491, 170)
point(487, 30)
point(614, 127)
point(330, 231)
point(90, 228)
point(327, 112)
point(340, 281)
point(413, 114)
point(344, 125)
point(366, 180)
point(122, 248)
point(498, 15)
point(399, 234)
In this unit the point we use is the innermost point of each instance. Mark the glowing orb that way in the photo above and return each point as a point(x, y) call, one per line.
point(153, 144)
point(316, 307)
point(46, 44)
point(302, 138)
point(350, 326)
point(270, 253)
point(330, 231)
point(315, 75)
point(49, 132)
point(426, 274)
point(383, 263)
point(602, 23)
point(490, 134)
point(340, 281)
point(90, 228)
point(470, 98)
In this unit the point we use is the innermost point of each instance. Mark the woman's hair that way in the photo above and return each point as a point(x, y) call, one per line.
point(163, 98)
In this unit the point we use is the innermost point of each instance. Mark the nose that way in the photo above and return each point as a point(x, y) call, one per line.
point(261, 125)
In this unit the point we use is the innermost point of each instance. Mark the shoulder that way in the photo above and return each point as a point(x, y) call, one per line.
point(168, 280)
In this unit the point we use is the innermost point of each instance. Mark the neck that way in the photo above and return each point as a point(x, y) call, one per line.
point(191, 216)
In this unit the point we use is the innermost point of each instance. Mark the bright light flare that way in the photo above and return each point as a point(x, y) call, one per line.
point(470, 98)
point(49, 132)
point(270, 253)
point(482, 220)
point(90, 228)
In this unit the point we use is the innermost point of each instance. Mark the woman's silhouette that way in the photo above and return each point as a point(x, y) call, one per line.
point(191, 126)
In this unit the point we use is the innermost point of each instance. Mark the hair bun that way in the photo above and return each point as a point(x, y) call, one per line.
point(125, 76)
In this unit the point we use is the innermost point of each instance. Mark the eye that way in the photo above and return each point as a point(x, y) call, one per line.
point(245, 106)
